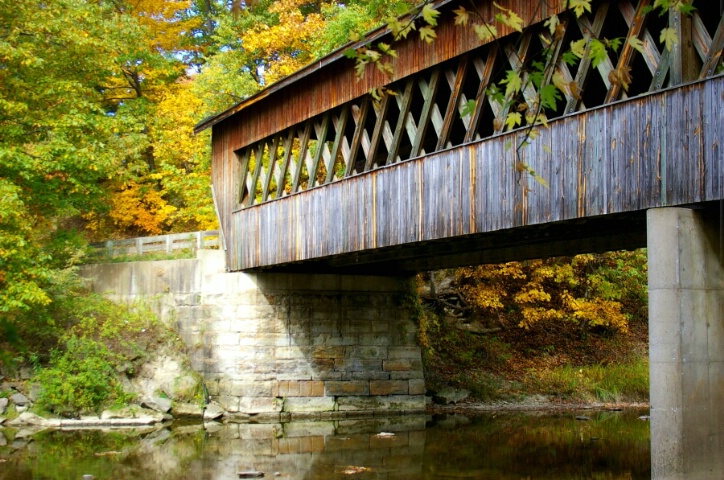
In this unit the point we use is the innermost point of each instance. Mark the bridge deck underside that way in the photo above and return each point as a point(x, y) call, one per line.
point(598, 171)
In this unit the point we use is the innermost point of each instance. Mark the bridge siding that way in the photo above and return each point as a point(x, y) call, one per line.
point(603, 161)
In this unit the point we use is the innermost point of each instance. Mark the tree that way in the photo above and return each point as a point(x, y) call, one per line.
point(57, 142)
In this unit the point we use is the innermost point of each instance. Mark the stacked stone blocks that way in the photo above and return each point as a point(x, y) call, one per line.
point(283, 343)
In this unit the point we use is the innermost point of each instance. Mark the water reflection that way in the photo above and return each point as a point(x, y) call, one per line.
point(609, 445)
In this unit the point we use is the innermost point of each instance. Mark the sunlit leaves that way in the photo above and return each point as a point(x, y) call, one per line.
point(509, 17)
point(429, 14)
point(579, 7)
point(513, 119)
point(636, 44)
point(427, 34)
point(669, 38)
point(485, 32)
point(462, 16)
point(512, 82)
point(549, 95)
point(468, 108)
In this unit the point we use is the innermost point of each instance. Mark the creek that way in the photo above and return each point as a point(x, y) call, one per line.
point(493, 445)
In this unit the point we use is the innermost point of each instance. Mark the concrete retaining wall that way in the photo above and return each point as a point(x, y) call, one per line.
point(290, 345)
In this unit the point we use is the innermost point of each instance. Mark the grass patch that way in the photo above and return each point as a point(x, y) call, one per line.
point(613, 383)
point(102, 257)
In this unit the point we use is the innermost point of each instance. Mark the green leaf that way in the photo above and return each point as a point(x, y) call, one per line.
point(468, 109)
point(461, 16)
point(429, 14)
point(513, 83)
point(513, 119)
point(669, 38)
point(552, 23)
point(387, 50)
point(597, 52)
point(486, 32)
point(549, 95)
point(636, 44)
point(427, 34)
point(578, 48)
point(580, 6)
point(350, 53)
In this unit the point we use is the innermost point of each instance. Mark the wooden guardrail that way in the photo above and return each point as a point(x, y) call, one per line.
point(175, 242)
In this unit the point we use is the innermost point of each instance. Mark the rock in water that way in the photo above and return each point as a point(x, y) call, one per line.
point(251, 474)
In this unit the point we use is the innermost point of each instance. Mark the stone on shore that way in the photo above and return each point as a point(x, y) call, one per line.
point(187, 410)
point(19, 399)
point(3, 405)
point(213, 411)
point(29, 418)
point(159, 404)
point(133, 412)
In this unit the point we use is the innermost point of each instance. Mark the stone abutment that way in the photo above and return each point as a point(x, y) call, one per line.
point(289, 345)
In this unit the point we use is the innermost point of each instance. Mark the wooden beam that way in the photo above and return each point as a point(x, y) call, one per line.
point(627, 51)
point(584, 67)
point(404, 103)
point(712, 59)
point(321, 139)
point(358, 131)
point(243, 162)
point(422, 124)
point(485, 74)
point(303, 146)
point(381, 111)
point(281, 179)
point(339, 135)
point(270, 171)
point(452, 105)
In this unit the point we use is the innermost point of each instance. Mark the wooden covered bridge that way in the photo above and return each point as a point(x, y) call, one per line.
point(315, 175)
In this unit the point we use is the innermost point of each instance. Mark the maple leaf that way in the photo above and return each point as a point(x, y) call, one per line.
point(636, 44)
point(552, 23)
point(580, 6)
point(509, 18)
point(669, 38)
point(578, 48)
point(429, 14)
point(427, 34)
point(486, 32)
point(461, 16)
point(513, 119)
point(468, 109)
point(386, 49)
point(597, 52)
point(513, 83)
point(549, 95)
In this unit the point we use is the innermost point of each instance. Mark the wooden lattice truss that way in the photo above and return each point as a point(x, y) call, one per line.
point(427, 112)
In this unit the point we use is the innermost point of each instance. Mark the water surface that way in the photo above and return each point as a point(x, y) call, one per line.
point(609, 445)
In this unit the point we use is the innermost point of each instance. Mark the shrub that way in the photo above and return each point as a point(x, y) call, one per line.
point(80, 379)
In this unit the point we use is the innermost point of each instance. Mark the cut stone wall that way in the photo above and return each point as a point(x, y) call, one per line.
point(289, 345)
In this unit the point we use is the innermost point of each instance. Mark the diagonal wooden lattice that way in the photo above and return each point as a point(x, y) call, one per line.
point(430, 110)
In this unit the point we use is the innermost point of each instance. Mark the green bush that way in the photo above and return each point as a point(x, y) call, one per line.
point(80, 379)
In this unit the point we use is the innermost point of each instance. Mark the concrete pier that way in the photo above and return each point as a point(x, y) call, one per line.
point(686, 325)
